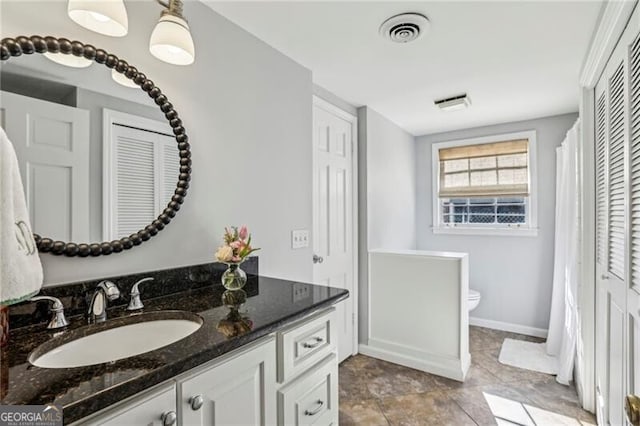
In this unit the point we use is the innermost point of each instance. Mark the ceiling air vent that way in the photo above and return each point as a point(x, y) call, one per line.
point(404, 28)
point(453, 103)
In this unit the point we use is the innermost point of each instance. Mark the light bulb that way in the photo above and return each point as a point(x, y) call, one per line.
point(68, 60)
point(122, 79)
point(171, 41)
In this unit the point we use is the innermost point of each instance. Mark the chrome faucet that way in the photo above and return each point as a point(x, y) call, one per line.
point(105, 291)
point(135, 303)
point(58, 319)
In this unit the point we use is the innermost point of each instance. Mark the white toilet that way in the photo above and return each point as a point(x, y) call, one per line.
point(474, 299)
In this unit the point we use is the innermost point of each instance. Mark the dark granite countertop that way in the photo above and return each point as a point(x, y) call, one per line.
point(270, 304)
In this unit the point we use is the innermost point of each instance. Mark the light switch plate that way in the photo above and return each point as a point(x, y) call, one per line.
point(299, 238)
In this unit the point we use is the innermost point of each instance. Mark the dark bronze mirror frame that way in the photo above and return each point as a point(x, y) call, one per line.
point(14, 47)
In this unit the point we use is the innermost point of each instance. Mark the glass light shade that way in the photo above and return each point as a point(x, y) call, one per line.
point(122, 79)
point(108, 17)
point(68, 60)
point(171, 41)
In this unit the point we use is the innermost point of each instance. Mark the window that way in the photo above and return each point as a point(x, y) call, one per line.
point(485, 185)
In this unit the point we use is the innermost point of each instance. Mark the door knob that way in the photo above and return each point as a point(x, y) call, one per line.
point(169, 418)
point(196, 402)
point(632, 408)
point(605, 277)
point(317, 259)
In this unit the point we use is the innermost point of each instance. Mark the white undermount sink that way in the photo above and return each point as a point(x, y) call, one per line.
point(115, 343)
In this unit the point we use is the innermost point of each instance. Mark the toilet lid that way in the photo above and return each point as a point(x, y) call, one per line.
point(473, 295)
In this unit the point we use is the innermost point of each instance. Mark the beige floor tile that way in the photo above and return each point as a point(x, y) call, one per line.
point(353, 385)
point(364, 412)
point(476, 376)
point(375, 392)
point(431, 408)
point(474, 400)
point(394, 380)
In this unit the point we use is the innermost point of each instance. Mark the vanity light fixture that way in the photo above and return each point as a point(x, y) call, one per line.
point(171, 39)
point(68, 60)
point(108, 17)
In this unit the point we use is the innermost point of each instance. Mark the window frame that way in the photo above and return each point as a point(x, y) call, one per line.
point(528, 229)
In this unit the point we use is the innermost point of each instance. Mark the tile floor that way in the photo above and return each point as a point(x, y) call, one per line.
point(374, 392)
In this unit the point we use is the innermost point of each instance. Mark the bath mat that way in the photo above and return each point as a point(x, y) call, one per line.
point(528, 355)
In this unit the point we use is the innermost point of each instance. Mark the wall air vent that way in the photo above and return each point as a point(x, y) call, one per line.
point(453, 103)
point(405, 27)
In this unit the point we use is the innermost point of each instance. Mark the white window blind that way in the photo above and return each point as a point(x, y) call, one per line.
point(601, 183)
point(485, 170)
point(634, 63)
point(616, 240)
point(145, 168)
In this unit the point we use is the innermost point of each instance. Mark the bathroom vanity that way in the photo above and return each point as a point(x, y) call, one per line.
point(274, 363)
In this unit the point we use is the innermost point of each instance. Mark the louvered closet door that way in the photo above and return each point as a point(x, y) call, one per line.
point(611, 140)
point(633, 290)
point(611, 133)
point(617, 174)
point(146, 167)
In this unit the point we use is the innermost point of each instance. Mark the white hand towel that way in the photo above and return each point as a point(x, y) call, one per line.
point(20, 267)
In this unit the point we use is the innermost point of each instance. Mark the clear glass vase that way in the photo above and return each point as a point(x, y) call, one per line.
point(234, 278)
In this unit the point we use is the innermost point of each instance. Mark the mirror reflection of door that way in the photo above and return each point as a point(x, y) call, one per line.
point(53, 155)
point(141, 168)
point(66, 198)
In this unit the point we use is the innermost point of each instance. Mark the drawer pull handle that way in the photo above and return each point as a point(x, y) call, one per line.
point(317, 409)
point(169, 418)
point(196, 402)
point(317, 342)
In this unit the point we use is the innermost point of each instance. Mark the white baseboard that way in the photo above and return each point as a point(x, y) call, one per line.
point(430, 363)
point(506, 326)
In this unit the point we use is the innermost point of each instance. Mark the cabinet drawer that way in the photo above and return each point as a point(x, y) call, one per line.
point(142, 409)
point(303, 345)
point(311, 399)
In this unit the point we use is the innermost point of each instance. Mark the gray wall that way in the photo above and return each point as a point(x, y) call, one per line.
point(513, 274)
point(387, 194)
point(334, 99)
point(391, 184)
point(247, 110)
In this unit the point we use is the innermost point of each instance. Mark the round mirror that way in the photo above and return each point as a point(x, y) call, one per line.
point(100, 147)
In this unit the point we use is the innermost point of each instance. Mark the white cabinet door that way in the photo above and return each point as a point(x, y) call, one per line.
point(239, 391)
point(145, 410)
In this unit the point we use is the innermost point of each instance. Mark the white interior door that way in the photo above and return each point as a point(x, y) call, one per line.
point(333, 209)
point(617, 119)
point(52, 144)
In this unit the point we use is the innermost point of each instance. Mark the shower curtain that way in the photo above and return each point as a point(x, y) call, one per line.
point(563, 321)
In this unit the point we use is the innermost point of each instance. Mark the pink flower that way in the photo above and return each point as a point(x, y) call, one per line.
point(243, 233)
point(236, 259)
point(236, 245)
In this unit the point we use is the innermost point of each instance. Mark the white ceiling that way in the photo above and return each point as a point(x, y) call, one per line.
point(516, 60)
